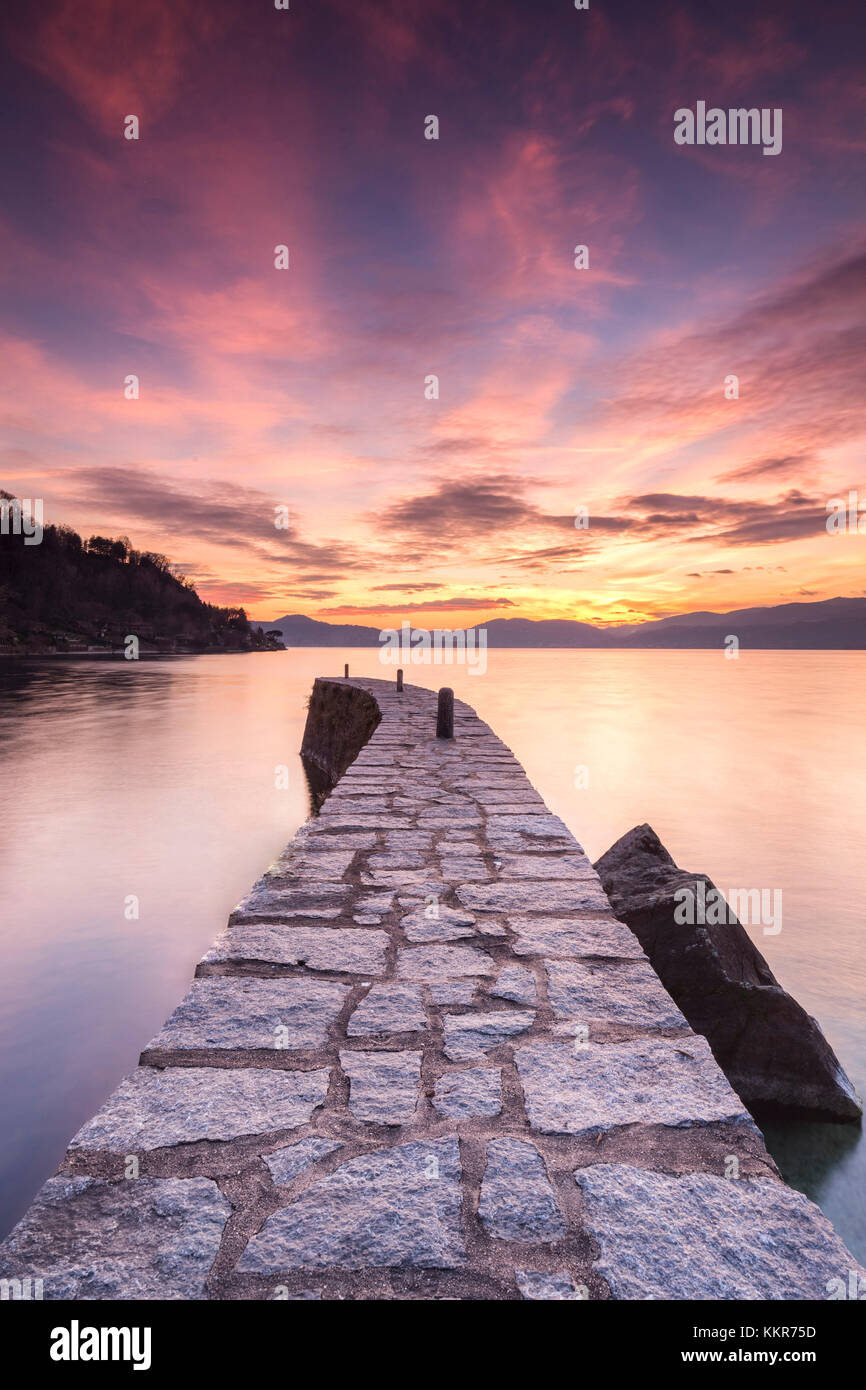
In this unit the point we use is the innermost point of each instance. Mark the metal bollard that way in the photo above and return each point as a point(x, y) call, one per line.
point(346, 672)
point(445, 713)
point(399, 681)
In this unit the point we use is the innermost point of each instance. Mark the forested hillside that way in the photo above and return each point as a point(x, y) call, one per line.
point(66, 594)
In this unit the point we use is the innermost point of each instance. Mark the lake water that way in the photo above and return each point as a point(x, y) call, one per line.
point(156, 779)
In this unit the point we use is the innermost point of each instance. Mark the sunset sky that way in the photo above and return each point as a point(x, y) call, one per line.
point(559, 388)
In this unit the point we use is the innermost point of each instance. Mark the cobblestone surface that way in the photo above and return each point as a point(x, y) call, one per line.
point(424, 1060)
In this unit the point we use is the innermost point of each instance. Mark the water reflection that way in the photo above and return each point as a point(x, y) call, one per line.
point(159, 779)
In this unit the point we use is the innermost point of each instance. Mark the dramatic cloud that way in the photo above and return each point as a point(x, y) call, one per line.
point(794, 465)
point(403, 588)
point(604, 392)
point(729, 522)
point(465, 509)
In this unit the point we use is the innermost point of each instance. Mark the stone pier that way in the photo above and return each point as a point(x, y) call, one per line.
point(424, 1061)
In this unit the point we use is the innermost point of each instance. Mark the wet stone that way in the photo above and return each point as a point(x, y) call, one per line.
point(469, 1036)
point(383, 1086)
point(286, 1164)
point(654, 1081)
point(397, 1207)
point(393, 1007)
point(318, 948)
point(700, 1236)
point(517, 1201)
point(149, 1238)
point(459, 1095)
point(153, 1109)
point(224, 1012)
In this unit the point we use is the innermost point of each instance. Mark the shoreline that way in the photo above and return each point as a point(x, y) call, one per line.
point(120, 655)
point(304, 647)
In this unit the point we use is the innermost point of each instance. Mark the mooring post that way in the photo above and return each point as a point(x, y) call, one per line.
point(346, 672)
point(445, 713)
point(399, 680)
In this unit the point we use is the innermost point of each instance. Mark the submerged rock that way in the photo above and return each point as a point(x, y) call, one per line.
point(773, 1053)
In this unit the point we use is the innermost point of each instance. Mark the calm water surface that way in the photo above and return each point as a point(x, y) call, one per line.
point(157, 779)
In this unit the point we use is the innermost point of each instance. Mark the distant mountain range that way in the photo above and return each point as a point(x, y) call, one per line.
point(835, 623)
